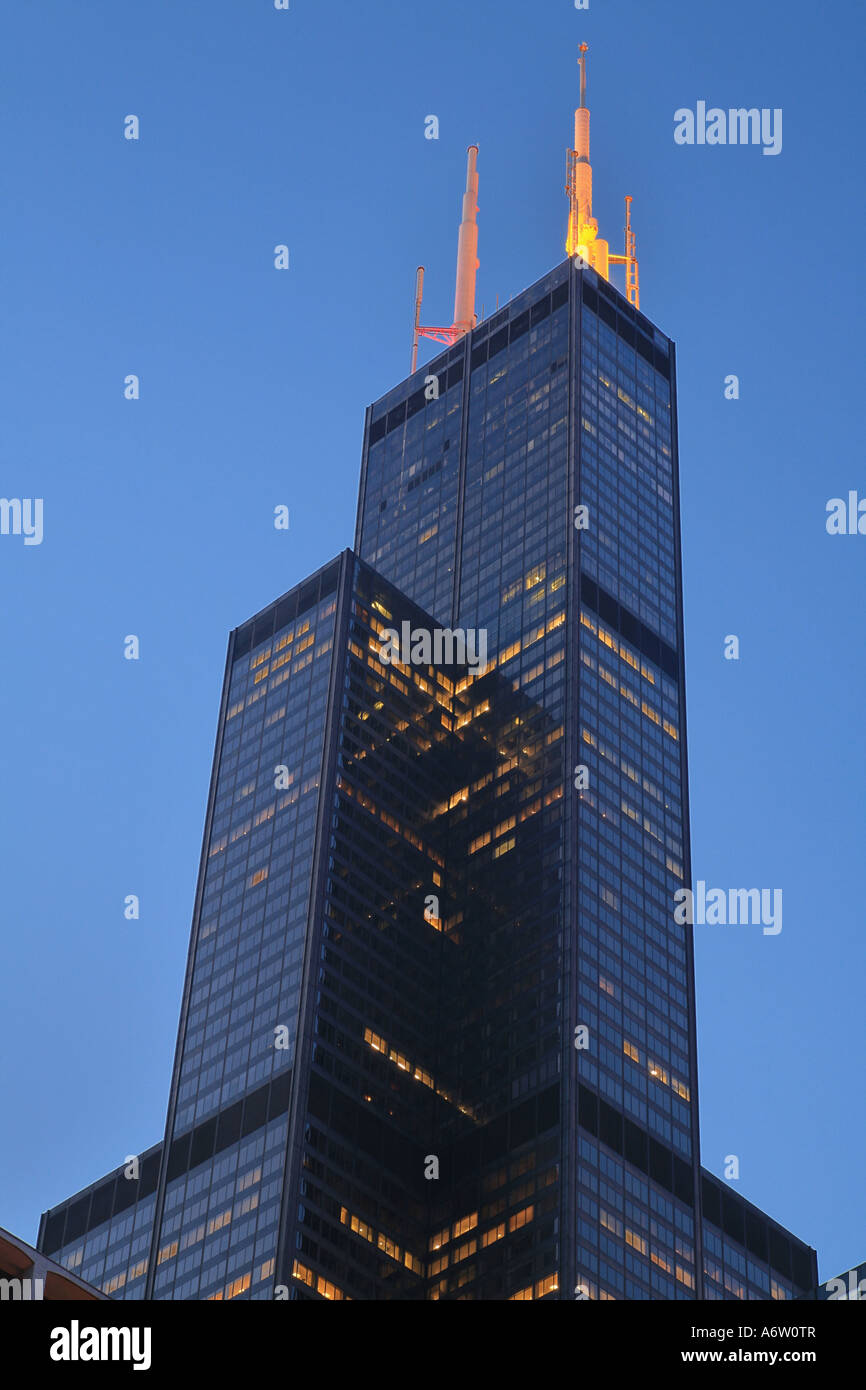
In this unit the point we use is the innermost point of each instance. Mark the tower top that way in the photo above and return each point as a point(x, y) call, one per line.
point(583, 239)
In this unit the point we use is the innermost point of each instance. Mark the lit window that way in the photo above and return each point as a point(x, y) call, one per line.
point(466, 1223)
point(495, 1233)
point(238, 1286)
point(521, 1218)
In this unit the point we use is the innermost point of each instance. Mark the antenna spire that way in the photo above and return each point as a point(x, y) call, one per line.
point(465, 317)
point(583, 239)
point(467, 248)
point(582, 226)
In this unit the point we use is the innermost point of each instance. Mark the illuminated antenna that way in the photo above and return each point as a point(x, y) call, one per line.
point(465, 317)
point(582, 226)
point(632, 280)
point(583, 239)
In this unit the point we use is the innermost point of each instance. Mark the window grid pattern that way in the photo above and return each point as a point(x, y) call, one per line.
point(632, 964)
point(247, 967)
point(113, 1256)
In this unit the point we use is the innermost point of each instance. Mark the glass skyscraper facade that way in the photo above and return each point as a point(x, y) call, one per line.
point(536, 496)
point(218, 1202)
point(437, 1037)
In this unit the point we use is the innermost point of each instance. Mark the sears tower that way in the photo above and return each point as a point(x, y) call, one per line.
point(437, 1038)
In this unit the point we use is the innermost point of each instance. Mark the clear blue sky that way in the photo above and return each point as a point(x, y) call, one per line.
point(156, 258)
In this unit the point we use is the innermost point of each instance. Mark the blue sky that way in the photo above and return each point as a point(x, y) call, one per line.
point(155, 257)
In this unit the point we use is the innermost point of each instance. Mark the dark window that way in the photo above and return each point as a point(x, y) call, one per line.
point(417, 401)
point(178, 1157)
point(802, 1267)
point(780, 1253)
point(103, 1203)
point(465, 1158)
point(548, 1109)
point(287, 609)
point(229, 1125)
point(522, 1127)
point(587, 1110)
point(278, 1101)
point(644, 347)
point(329, 580)
point(660, 1164)
point(498, 341)
point(683, 1182)
point(608, 608)
point(662, 363)
point(607, 312)
point(150, 1173)
point(369, 1133)
point(125, 1195)
point(756, 1236)
point(202, 1142)
point(635, 1146)
point(732, 1218)
point(308, 596)
point(609, 1126)
point(519, 326)
point(243, 641)
point(712, 1202)
point(263, 628)
point(540, 310)
point(53, 1237)
point(255, 1110)
point(494, 1139)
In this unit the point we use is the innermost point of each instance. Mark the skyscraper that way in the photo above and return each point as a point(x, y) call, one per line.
point(472, 504)
point(437, 1036)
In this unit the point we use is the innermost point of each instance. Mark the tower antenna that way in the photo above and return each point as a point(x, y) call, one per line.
point(467, 248)
point(419, 295)
point(632, 282)
point(583, 239)
point(465, 317)
point(582, 226)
